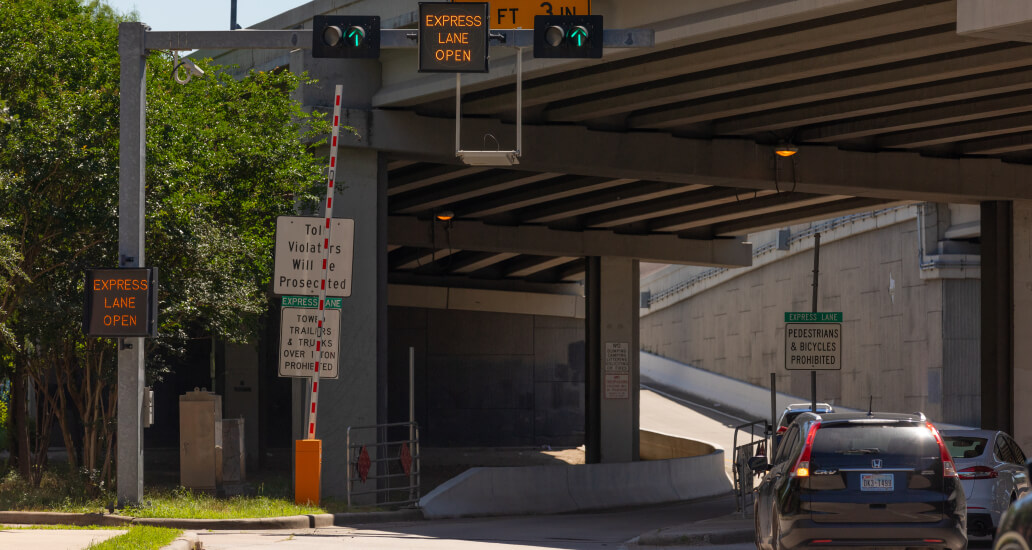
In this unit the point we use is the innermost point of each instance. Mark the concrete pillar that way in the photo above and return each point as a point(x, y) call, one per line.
point(618, 362)
point(1021, 382)
point(997, 342)
point(358, 398)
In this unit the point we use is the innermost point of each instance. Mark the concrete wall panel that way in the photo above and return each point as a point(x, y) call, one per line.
point(892, 331)
point(489, 379)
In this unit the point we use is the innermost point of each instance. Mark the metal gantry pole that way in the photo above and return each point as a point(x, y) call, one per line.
point(816, 274)
point(132, 169)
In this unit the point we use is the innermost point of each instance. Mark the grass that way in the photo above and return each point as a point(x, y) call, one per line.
point(183, 503)
point(139, 537)
point(62, 490)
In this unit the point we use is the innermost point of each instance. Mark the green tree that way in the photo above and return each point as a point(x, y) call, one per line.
point(225, 156)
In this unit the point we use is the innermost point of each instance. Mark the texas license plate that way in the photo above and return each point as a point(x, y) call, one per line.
point(876, 482)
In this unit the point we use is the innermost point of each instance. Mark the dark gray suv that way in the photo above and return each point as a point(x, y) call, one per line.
point(856, 479)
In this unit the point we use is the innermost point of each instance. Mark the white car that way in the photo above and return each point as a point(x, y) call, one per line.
point(992, 471)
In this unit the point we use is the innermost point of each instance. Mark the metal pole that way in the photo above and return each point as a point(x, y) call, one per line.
point(816, 273)
point(519, 101)
point(773, 413)
point(132, 169)
point(458, 111)
point(412, 417)
point(233, 15)
point(412, 392)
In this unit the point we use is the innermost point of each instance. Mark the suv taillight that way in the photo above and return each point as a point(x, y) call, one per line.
point(978, 472)
point(782, 429)
point(802, 465)
point(949, 469)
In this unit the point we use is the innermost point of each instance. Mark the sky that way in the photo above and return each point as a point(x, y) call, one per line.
point(202, 15)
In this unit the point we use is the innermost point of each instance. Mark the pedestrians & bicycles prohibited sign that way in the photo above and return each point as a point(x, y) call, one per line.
point(813, 340)
point(299, 256)
point(299, 335)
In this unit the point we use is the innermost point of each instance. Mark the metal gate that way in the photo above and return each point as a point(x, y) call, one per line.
point(390, 467)
point(743, 476)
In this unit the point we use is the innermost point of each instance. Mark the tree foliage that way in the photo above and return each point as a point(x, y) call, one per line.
point(225, 156)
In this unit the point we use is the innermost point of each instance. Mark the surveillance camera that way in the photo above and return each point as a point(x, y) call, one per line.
point(193, 68)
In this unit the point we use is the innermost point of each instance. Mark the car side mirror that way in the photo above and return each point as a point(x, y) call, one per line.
point(758, 464)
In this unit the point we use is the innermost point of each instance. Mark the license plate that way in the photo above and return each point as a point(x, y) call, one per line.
point(876, 482)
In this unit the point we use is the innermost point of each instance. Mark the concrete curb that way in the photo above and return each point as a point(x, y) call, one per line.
point(309, 521)
point(186, 541)
point(359, 518)
point(63, 518)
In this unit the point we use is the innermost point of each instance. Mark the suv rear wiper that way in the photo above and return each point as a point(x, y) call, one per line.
point(871, 451)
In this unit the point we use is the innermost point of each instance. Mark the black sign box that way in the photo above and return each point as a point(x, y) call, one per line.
point(121, 302)
point(453, 37)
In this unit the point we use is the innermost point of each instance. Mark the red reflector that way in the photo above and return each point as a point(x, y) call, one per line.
point(820, 541)
point(933, 540)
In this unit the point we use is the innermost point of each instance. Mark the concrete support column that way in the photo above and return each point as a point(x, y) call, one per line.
point(613, 363)
point(997, 320)
point(358, 398)
point(1021, 377)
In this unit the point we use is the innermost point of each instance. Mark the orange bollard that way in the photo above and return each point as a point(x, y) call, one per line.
point(307, 470)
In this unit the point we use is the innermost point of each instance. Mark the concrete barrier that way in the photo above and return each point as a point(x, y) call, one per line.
point(660, 446)
point(526, 490)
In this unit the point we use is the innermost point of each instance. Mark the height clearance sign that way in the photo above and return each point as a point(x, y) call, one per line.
point(813, 340)
point(519, 14)
point(453, 37)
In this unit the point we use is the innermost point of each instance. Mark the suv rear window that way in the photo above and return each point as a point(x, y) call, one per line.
point(857, 444)
point(965, 447)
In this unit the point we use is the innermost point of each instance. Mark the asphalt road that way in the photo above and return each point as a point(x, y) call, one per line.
point(610, 529)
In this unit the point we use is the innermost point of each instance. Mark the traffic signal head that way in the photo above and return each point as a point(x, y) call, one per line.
point(568, 36)
point(346, 36)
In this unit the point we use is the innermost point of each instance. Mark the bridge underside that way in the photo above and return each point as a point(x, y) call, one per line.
point(667, 155)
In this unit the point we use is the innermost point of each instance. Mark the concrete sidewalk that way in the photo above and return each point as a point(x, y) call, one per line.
point(731, 529)
point(78, 539)
point(54, 539)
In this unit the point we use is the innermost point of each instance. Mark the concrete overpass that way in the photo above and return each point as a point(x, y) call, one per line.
point(667, 155)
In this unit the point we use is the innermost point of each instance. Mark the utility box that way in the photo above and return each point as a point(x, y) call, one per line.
point(200, 440)
point(234, 456)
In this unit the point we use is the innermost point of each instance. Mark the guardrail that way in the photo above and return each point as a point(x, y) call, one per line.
point(395, 461)
point(743, 477)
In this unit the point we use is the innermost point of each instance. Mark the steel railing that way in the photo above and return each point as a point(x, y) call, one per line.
point(742, 475)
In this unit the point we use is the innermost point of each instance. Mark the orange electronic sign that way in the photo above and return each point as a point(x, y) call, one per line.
point(121, 302)
point(453, 37)
point(519, 14)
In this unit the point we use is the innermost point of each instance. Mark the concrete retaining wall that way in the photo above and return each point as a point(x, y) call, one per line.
point(553, 489)
point(660, 446)
point(736, 397)
point(753, 402)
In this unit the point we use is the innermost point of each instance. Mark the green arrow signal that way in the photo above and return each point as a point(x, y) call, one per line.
point(355, 34)
point(580, 34)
